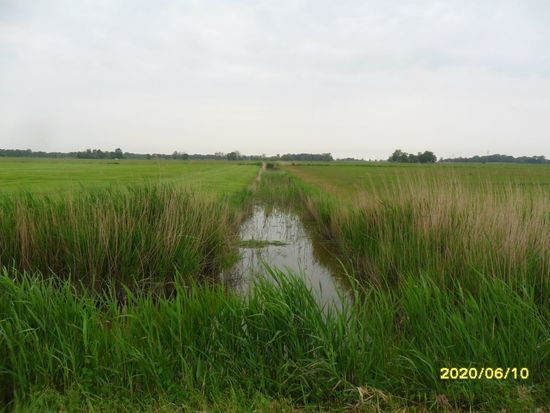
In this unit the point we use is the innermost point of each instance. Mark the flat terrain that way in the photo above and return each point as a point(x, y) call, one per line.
point(350, 179)
point(107, 300)
point(46, 175)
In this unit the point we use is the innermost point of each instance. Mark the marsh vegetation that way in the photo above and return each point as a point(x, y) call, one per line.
point(445, 267)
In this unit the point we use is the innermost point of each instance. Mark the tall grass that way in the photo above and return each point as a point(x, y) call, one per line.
point(206, 345)
point(144, 234)
point(469, 266)
point(447, 278)
point(442, 228)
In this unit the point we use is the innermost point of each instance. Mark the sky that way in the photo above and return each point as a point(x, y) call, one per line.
point(357, 78)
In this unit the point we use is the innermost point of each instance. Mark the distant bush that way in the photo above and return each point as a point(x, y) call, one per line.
point(422, 157)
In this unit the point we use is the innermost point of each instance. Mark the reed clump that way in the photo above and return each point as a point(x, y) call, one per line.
point(144, 234)
point(456, 259)
point(443, 228)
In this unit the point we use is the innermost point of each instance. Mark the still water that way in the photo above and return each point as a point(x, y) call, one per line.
point(280, 239)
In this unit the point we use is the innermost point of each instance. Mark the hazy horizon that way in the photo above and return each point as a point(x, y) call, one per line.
point(267, 155)
point(353, 78)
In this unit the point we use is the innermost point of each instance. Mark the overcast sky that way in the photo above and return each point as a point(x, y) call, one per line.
point(352, 77)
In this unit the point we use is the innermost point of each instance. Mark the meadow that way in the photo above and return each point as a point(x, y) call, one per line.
point(457, 234)
point(123, 222)
point(109, 299)
point(66, 175)
point(351, 179)
point(445, 219)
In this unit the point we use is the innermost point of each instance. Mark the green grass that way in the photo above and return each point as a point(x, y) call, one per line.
point(430, 222)
point(123, 222)
point(51, 175)
point(428, 240)
point(449, 268)
point(349, 180)
point(138, 234)
point(207, 348)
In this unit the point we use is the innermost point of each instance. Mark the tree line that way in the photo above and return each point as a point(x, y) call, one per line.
point(500, 158)
point(27, 153)
point(422, 157)
point(397, 156)
point(238, 156)
point(177, 155)
point(99, 154)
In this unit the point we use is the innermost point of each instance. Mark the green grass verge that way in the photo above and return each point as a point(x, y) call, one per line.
point(207, 348)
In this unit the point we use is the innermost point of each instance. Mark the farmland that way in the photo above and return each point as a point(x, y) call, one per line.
point(47, 175)
point(492, 219)
point(108, 284)
point(353, 179)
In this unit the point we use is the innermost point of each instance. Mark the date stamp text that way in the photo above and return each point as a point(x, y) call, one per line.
point(487, 373)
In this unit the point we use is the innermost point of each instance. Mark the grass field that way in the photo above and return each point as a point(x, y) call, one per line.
point(106, 301)
point(448, 220)
point(129, 222)
point(349, 180)
point(449, 232)
point(47, 175)
point(445, 219)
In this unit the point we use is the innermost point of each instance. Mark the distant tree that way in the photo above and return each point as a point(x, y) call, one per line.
point(233, 156)
point(180, 155)
point(411, 158)
point(427, 157)
point(118, 153)
point(82, 155)
point(399, 156)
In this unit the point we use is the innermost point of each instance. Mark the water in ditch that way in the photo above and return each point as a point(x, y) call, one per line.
point(281, 240)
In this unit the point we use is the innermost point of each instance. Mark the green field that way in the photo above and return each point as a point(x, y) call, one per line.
point(449, 220)
point(351, 179)
point(109, 299)
point(47, 175)
point(107, 221)
point(451, 232)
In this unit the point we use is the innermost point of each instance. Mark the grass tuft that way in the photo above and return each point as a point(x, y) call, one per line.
point(142, 234)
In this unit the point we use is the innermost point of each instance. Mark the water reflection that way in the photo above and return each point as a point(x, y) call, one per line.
point(296, 250)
